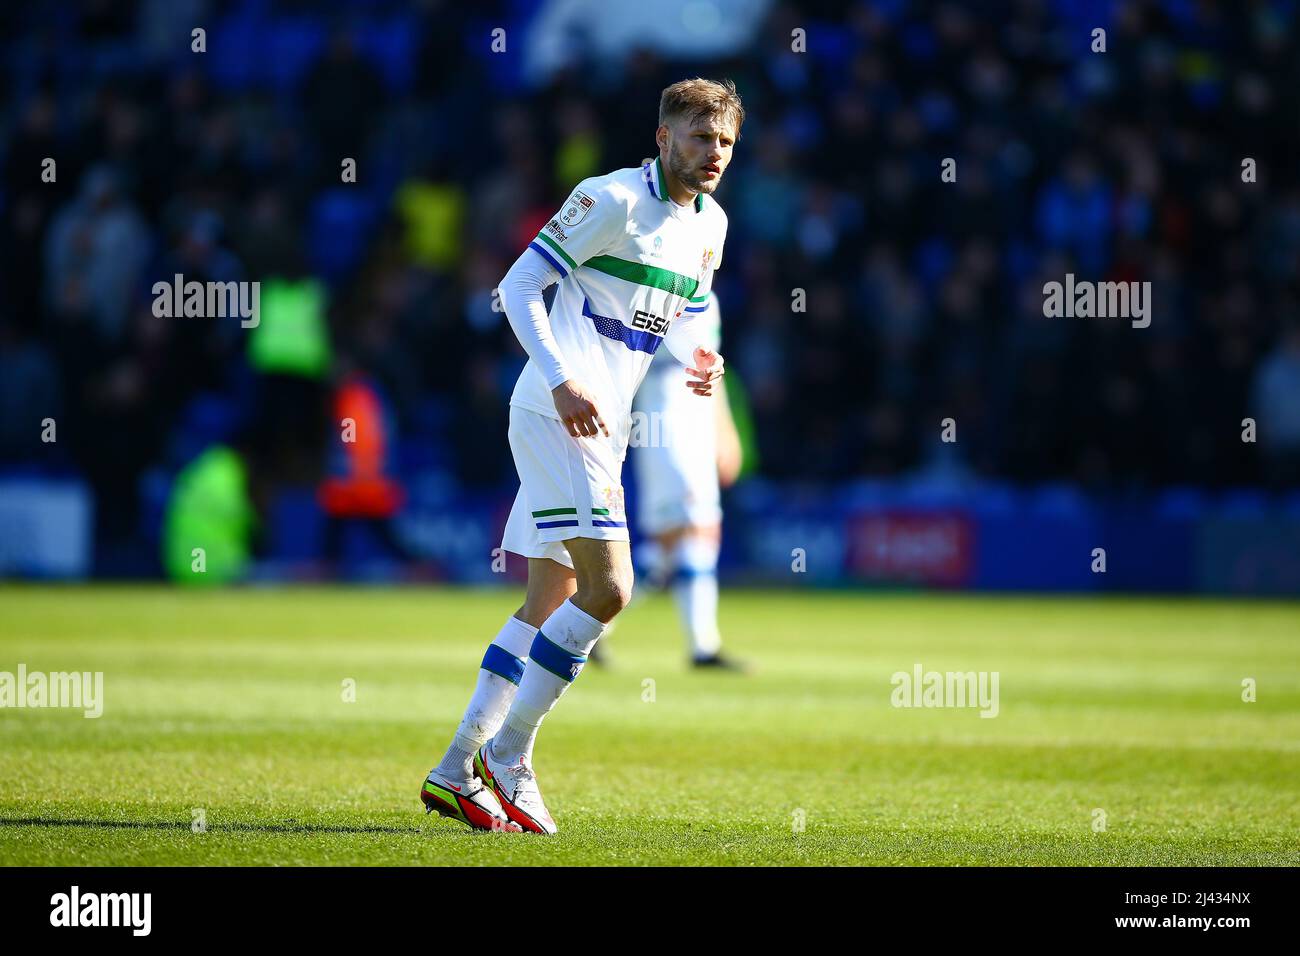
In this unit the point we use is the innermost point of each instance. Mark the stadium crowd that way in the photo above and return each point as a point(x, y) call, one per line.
point(922, 299)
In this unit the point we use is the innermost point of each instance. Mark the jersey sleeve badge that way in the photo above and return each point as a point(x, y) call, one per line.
point(576, 209)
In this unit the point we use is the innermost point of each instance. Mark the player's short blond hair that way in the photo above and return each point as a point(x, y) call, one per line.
point(697, 99)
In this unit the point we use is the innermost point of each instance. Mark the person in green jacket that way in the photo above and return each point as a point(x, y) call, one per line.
point(211, 518)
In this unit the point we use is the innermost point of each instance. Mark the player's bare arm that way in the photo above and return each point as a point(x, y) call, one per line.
point(730, 455)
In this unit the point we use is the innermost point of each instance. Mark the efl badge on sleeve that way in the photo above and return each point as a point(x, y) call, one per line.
point(576, 209)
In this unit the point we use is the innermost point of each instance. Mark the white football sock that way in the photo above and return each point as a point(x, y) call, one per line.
point(695, 589)
point(498, 680)
point(555, 659)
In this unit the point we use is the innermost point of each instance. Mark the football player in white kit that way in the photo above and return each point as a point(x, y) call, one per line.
point(683, 453)
point(632, 251)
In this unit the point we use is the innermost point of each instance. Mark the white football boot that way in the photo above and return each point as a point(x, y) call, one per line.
point(465, 800)
point(515, 786)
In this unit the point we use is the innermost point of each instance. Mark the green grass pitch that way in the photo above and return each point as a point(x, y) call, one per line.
point(232, 702)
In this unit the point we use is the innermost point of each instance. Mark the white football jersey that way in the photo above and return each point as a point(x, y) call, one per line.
point(632, 263)
point(708, 329)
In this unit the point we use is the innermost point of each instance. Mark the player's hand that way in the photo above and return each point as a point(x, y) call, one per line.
point(578, 411)
point(708, 369)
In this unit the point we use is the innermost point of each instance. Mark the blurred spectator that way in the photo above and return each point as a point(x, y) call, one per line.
point(211, 519)
point(359, 489)
point(30, 392)
point(97, 244)
point(341, 95)
point(1275, 403)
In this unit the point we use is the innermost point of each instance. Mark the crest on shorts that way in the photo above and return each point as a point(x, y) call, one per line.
point(614, 501)
point(576, 209)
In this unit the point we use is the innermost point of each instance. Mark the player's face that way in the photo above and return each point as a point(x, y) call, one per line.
point(699, 152)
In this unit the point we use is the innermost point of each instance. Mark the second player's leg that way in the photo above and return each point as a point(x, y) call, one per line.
point(690, 554)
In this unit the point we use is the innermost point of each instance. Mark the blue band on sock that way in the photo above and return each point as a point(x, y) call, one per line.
point(563, 664)
point(501, 662)
point(682, 574)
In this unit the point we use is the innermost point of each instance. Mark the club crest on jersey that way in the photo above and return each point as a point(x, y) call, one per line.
point(704, 262)
point(576, 209)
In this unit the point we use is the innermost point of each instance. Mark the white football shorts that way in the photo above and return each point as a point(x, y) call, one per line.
point(675, 436)
point(568, 488)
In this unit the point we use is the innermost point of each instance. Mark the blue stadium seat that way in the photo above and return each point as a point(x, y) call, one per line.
point(416, 456)
point(932, 261)
point(933, 495)
point(292, 46)
point(430, 417)
point(338, 230)
point(154, 488)
point(867, 493)
point(296, 524)
point(1182, 502)
point(996, 498)
point(232, 57)
point(1244, 502)
point(391, 46)
point(209, 418)
point(1059, 499)
point(751, 495)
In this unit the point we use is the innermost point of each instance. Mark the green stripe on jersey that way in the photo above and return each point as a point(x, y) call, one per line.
point(555, 511)
point(556, 246)
point(600, 511)
point(671, 282)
